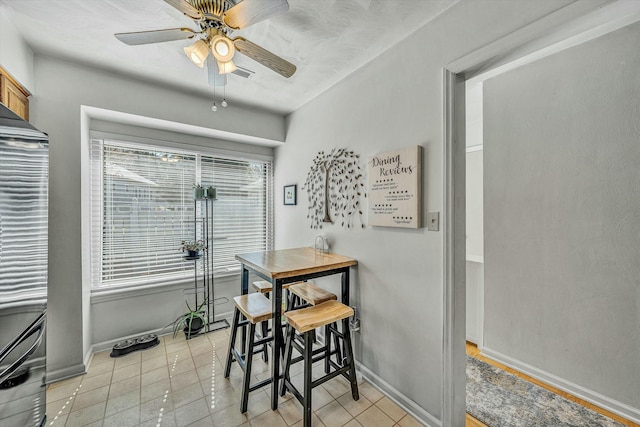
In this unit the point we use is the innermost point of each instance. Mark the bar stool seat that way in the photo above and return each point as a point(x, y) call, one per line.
point(311, 293)
point(265, 287)
point(310, 318)
point(255, 308)
point(305, 321)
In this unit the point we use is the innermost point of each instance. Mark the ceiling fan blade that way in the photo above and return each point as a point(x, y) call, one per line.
point(263, 56)
point(155, 36)
point(185, 8)
point(215, 78)
point(248, 12)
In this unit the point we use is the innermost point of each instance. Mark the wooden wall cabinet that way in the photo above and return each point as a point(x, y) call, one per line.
point(14, 96)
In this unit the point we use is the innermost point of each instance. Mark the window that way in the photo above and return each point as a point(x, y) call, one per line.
point(24, 166)
point(142, 208)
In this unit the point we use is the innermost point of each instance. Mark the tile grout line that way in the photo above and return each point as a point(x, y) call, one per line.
point(65, 405)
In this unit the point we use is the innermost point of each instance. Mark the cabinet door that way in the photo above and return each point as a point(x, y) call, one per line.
point(13, 96)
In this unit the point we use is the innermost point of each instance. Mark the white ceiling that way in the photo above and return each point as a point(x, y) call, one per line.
point(326, 39)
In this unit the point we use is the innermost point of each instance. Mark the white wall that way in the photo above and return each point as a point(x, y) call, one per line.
point(60, 90)
point(394, 102)
point(15, 55)
point(562, 214)
point(474, 212)
point(475, 236)
point(474, 302)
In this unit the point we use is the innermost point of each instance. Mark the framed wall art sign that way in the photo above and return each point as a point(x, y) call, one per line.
point(290, 194)
point(395, 194)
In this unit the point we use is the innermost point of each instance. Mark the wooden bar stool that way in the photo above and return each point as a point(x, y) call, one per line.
point(256, 308)
point(305, 321)
point(304, 294)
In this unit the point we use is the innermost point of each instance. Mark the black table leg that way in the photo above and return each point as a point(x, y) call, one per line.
point(345, 300)
point(244, 281)
point(345, 286)
point(278, 340)
point(244, 289)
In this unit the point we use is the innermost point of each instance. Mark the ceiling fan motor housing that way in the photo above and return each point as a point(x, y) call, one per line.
point(212, 7)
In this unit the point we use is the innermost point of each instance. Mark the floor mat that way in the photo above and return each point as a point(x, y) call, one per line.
point(498, 398)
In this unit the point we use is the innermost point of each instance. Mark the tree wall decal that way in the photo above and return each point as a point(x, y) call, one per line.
point(335, 184)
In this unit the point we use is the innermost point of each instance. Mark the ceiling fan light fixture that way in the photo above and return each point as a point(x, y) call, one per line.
point(222, 48)
point(197, 52)
point(226, 67)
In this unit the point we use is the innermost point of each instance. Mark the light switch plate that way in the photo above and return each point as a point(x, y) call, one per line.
point(433, 221)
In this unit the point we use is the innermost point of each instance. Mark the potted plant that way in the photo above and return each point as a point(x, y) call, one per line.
point(211, 193)
point(190, 322)
point(198, 191)
point(192, 248)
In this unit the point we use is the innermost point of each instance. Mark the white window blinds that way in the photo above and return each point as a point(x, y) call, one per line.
point(243, 211)
point(142, 208)
point(24, 163)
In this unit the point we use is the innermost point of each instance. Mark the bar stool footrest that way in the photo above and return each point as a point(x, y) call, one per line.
point(260, 384)
point(240, 357)
point(330, 376)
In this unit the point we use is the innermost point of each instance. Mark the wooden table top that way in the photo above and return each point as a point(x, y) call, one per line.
point(282, 263)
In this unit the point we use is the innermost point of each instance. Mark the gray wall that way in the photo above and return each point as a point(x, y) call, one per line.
point(562, 214)
point(135, 312)
point(60, 89)
point(15, 56)
point(475, 239)
point(393, 102)
point(474, 233)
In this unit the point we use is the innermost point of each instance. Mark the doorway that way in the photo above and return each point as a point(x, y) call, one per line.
point(494, 59)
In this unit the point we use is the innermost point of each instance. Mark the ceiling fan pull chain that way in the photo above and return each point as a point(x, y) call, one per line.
point(224, 96)
point(213, 107)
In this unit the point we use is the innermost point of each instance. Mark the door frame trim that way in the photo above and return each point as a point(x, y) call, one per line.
point(569, 26)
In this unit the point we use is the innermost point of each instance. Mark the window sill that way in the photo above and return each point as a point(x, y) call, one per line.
point(106, 294)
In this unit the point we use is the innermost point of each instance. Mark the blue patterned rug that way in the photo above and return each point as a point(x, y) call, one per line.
point(500, 399)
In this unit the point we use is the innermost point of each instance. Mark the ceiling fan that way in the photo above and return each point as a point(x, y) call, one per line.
point(217, 19)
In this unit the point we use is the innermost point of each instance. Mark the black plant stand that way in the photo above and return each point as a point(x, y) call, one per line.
point(203, 268)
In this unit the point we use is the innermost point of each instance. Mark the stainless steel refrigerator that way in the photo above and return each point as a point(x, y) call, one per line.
point(24, 177)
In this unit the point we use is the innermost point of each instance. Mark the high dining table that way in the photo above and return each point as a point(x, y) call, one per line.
point(284, 266)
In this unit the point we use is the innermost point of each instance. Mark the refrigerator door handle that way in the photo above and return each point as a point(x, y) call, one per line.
point(37, 326)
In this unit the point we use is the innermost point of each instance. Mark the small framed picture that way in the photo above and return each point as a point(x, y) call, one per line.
point(290, 194)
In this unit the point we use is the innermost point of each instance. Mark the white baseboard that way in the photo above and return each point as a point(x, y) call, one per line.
point(602, 401)
point(409, 406)
point(63, 374)
point(106, 345)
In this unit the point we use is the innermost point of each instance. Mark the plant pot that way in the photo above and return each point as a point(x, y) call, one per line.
point(211, 193)
point(198, 193)
point(192, 255)
point(196, 326)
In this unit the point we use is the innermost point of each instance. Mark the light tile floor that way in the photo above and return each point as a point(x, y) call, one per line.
point(181, 383)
